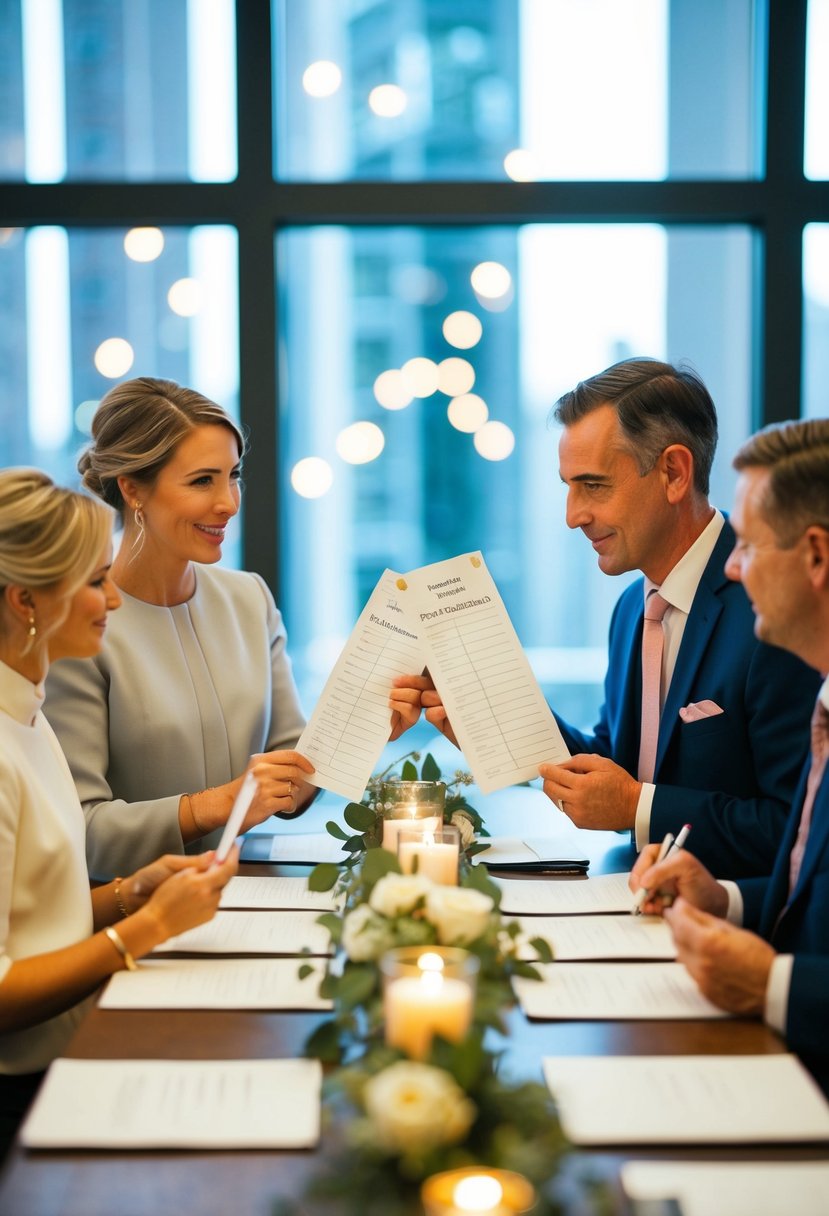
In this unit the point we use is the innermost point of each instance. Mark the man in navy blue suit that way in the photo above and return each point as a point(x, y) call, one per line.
point(781, 557)
point(729, 717)
point(728, 713)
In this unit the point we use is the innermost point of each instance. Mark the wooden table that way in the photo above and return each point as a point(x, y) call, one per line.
point(246, 1183)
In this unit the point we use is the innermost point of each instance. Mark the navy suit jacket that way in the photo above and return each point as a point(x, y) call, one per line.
point(800, 926)
point(732, 776)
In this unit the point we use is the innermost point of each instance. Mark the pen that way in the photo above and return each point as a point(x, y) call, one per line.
point(664, 849)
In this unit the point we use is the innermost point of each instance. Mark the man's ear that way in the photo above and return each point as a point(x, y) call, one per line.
point(677, 466)
point(817, 555)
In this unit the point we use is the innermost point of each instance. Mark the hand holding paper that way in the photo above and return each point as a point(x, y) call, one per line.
point(236, 818)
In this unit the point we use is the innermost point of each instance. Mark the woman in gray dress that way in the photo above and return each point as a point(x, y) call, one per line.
point(193, 686)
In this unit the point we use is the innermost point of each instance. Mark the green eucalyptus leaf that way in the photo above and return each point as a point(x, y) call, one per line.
point(430, 770)
point(359, 817)
point(324, 1043)
point(408, 772)
point(377, 863)
point(305, 970)
point(356, 985)
point(333, 923)
point(334, 829)
point(323, 876)
point(542, 949)
point(354, 844)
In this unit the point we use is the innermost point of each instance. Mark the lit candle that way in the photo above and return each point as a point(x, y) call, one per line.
point(482, 1191)
point(407, 821)
point(435, 853)
point(421, 1000)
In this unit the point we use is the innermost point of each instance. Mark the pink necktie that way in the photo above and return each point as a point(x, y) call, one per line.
point(820, 752)
point(653, 643)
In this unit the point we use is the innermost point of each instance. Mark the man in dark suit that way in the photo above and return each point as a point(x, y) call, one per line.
point(781, 557)
point(723, 734)
point(728, 713)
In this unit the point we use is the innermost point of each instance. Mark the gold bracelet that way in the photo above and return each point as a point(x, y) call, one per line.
point(117, 941)
point(198, 827)
point(119, 903)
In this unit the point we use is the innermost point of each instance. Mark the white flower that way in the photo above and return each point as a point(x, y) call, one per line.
point(465, 826)
point(396, 894)
point(458, 913)
point(414, 1107)
point(365, 935)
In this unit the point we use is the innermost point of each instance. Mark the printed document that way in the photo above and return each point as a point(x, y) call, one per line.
point(504, 726)
point(600, 937)
point(449, 617)
point(638, 991)
point(140, 1104)
point(687, 1100)
point(731, 1188)
point(215, 983)
point(256, 932)
point(565, 897)
point(266, 891)
point(350, 724)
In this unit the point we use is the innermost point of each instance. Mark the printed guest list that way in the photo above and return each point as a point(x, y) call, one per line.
point(450, 618)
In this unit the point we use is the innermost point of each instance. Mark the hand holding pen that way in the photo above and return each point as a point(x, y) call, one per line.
point(669, 845)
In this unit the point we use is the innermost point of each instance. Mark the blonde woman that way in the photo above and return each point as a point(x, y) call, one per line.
point(58, 939)
point(194, 684)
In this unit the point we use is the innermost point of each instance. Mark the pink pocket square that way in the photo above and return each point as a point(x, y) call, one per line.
point(699, 709)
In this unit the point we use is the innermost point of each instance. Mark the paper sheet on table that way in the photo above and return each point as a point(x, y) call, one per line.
point(307, 848)
point(256, 932)
point(504, 726)
point(599, 937)
point(265, 891)
point(177, 1104)
point(732, 1188)
point(565, 897)
point(638, 991)
point(513, 851)
point(350, 724)
point(215, 983)
point(687, 1100)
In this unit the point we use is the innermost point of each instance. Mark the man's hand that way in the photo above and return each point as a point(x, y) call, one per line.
point(680, 874)
point(730, 965)
point(436, 712)
point(404, 703)
point(592, 791)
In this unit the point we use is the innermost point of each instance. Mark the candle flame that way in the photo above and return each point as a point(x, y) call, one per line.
point(430, 961)
point(479, 1193)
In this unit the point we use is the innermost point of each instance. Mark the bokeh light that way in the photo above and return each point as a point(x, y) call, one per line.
point(520, 165)
point(462, 329)
point(494, 441)
point(467, 413)
point(455, 376)
point(144, 244)
point(387, 100)
point(391, 391)
point(322, 78)
point(360, 442)
point(184, 297)
point(312, 477)
point(114, 357)
point(490, 280)
point(420, 376)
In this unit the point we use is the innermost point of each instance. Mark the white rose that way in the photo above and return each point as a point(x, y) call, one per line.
point(396, 894)
point(414, 1107)
point(465, 826)
point(365, 935)
point(458, 913)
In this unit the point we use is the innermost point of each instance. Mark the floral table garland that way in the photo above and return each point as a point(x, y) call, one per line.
point(399, 1120)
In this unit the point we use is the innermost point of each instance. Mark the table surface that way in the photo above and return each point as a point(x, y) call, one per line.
point(135, 1184)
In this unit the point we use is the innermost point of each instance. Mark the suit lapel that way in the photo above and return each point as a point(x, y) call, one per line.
point(816, 840)
point(702, 619)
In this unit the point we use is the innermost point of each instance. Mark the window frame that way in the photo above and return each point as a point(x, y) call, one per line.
point(777, 205)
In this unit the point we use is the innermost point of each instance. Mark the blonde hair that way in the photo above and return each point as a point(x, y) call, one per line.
point(48, 535)
point(136, 429)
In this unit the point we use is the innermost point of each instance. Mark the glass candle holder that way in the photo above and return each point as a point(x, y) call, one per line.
point(405, 804)
point(427, 991)
point(434, 854)
point(475, 1190)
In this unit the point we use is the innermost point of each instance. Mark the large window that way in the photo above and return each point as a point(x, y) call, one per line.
point(389, 233)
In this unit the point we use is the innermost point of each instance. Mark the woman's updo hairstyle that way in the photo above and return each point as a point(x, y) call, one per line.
point(48, 534)
point(136, 429)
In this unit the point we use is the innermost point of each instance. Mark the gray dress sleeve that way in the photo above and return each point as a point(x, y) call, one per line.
point(177, 701)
